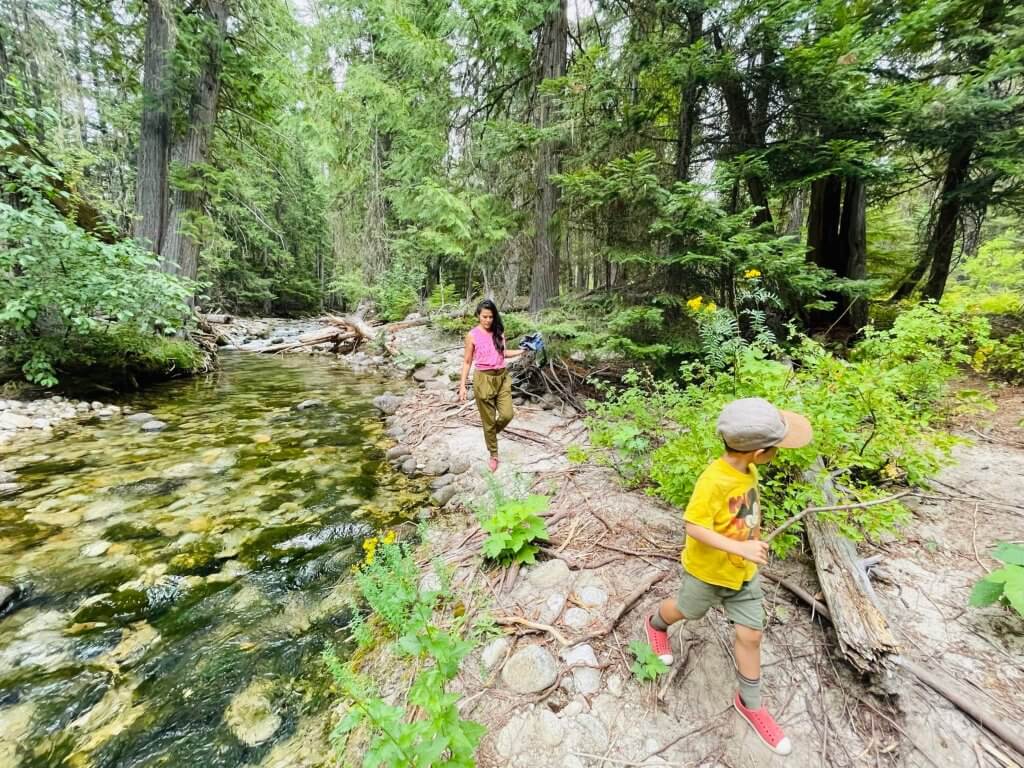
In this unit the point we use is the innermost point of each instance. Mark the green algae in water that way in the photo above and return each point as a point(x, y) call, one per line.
point(240, 472)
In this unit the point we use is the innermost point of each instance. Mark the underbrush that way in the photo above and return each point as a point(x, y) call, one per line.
point(427, 730)
point(877, 417)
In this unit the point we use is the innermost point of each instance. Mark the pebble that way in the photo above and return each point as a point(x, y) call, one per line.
point(530, 670)
point(552, 609)
point(592, 597)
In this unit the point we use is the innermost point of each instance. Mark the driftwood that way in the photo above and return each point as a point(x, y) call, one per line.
point(933, 678)
point(864, 634)
point(218, 319)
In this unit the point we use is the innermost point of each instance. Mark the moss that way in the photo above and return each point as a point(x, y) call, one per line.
point(197, 559)
point(121, 607)
point(130, 531)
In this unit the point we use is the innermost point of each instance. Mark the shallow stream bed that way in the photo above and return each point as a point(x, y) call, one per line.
point(180, 585)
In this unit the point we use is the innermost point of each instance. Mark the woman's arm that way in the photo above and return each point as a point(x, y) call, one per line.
point(754, 550)
point(513, 353)
point(467, 361)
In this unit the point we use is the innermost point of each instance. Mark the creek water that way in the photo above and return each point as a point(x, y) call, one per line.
point(180, 586)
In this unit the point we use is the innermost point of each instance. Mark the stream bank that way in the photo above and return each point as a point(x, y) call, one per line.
point(567, 698)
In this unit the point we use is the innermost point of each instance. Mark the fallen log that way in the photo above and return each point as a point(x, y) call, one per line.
point(330, 335)
point(933, 678)
point(864, 634)
point(218, 319)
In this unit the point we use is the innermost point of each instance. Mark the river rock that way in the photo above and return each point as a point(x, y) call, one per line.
point(592, 597)
point(8, 594)
point(442, 481)
point(129, 531)
point(386, 403)
point(438, 385)
point(426, 373)
point(459, 466)
point(41, 424)
point(141, 418)
point(96, 549)
point(398, 452)
point(7, 477)
point(395, 432)
point(10, 489)
point(586, 677)
point(576, 618)
point(552, 609)
point(530, 670)
point(251, 716)
point(442, 496)
point(435, 467)
point(154, 426)
point(307, 404)
point(551, 573)
point(494, 652)
point(11, 420)
point(136, 640)
point(409, 466)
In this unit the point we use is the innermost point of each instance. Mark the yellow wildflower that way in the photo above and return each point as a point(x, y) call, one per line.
point(752, 274)
point(695, 303)
point(370, 548)
point(389, 538)
point(710, 306)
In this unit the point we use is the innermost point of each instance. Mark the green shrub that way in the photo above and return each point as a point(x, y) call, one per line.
point(1005, 358)
point(875, 417)
point(513, 525)
point(388, 581)
point(1005, 584)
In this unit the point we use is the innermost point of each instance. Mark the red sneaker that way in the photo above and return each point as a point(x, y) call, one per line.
point(493, 464)
point(765, 727)
point(659, 641)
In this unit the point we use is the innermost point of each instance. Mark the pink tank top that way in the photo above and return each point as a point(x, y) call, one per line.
point(485, 356)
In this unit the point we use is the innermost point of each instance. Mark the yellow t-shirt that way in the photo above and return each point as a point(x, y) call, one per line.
point(726, 501)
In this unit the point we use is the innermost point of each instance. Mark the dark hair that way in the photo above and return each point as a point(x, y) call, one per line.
point(497, 327)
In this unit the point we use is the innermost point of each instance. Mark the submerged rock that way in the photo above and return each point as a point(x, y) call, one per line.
point(129, 531)
point(311, 403)
point(150, 486)
point(197, 559)
point(251, 716)
point(123, 606)
point(8, 594)
point(154, 426)
point(141, 418)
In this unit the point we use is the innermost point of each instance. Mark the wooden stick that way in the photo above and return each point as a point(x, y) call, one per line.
point(835, 508)
point(506, 621)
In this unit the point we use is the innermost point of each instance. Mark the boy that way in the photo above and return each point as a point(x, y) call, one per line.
point(723, 550)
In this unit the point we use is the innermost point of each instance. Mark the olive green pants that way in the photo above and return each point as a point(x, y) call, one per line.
point(493, 393)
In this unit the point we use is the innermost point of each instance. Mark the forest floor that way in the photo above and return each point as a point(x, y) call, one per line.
point(567, 698)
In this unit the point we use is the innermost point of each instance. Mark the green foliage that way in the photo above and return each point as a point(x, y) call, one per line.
point(70, 299)
point(1005, 584)
point(874, 415)
point(388, 581)
point(513, 526)
point(1005, 358)
point(438, 737)
point(646, 665)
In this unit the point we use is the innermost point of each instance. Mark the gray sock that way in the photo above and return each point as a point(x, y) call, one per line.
point(657, 622)
point(750, 691)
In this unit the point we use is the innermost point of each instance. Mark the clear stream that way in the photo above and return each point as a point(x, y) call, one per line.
point(182, 584)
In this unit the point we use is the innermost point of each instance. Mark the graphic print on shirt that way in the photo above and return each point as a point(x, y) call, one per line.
point(746, 520)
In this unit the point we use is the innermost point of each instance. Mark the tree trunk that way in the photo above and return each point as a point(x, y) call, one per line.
point(180, 251)
point(823, 223)
point(943, 235)
point(688, 108)
point(155, 134)
point(552, 50)
point(795, 214)
point(853, 245)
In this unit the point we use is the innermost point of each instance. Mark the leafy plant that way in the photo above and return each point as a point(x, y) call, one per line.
point(388, 581)
point(513, 527)
point(646, 664)
point(1005, 584)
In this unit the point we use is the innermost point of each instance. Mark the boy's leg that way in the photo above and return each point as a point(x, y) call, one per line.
point(692, 602)
point(745, 608)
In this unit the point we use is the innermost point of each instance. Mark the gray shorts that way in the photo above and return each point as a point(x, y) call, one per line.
point(744, 606)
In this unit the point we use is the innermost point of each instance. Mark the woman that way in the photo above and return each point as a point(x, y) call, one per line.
point(492, 385)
